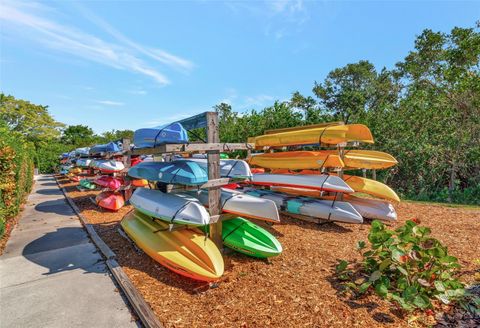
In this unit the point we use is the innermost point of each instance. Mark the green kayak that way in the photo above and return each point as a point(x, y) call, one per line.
point(248, 238)
point(87, 184)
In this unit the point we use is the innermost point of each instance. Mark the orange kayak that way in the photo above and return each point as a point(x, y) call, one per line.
point(110, 200)
point(300, 160)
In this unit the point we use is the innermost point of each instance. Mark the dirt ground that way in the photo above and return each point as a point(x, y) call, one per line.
point(295, 289)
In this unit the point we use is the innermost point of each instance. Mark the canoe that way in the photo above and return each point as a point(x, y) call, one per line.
point(178, 172)
point(229, 168)
point(371, 208)
point(101, 150)
point(238, 203)
point(318, 182)
point(83, 162)
point(300, 160)
point(169, 207)
point(87, 184)
point(110, 166)
point(109, 182)
point(187, 252)
point(110, 200)
point(327, 135)
point(249, 238)
point(166, 134)
point(324, 209)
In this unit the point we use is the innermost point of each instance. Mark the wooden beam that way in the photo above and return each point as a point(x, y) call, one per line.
point(216, 183)
point(214, 193)
point(194, 147)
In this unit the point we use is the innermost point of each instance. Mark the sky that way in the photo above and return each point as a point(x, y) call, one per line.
point(133, 64)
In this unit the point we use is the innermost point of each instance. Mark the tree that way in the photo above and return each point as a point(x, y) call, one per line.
point(116, 135)
point(78, 136)
point(32, 121)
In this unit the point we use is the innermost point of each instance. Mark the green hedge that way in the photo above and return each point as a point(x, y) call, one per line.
point(16, 173)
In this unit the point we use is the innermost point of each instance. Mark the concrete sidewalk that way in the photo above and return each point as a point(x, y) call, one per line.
point(51, 274)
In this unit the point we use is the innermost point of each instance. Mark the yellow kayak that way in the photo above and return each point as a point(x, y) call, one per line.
point(301, 160)
point(358, 184)
point(334, 134)
point(187, 251)
point(75, 170)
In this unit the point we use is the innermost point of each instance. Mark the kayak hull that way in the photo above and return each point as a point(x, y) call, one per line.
point(318, 182)
point(110, 200)
point(168, 134)
point(169, 207)
point(111, 183)
point(178, 172)
point(229, 168)
point(186, 252)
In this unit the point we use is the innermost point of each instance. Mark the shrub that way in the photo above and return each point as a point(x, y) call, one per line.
point(16, 173)
point(405, 266)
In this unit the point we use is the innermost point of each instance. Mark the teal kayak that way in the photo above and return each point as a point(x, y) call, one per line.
point(180, 172)
point(87, 184)
point(248, 238)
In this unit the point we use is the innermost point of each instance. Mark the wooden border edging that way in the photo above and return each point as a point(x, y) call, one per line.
point(138, 303)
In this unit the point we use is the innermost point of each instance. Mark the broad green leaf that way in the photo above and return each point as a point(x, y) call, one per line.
point(381, 289)
point(375, 276)
point(385, 263)
point(439, 285)
point(341, 266)
point(421, 301)
point(363, 287)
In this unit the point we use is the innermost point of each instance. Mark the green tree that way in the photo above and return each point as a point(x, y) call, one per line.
point(78, 136)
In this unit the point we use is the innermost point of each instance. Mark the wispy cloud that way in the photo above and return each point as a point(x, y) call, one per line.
point(110, 103)
point(30, 21)
point(140, 92)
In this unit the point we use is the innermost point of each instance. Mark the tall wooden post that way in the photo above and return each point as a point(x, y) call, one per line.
point(213, 158)
point(126, 162)
point(374, 174)
point(341, 153)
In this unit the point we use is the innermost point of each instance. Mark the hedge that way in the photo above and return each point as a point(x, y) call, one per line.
point(16, 173)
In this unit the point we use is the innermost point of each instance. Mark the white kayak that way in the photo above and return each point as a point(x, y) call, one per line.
point(169, 207)
point(238, 203)
point(110, 166)
point(229, 168)
point(372, 208)
point(83, 162)
point(323, 182)
point(324, 209)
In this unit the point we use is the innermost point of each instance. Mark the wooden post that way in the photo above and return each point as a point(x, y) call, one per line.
point(127, 160)
point(374, 174)
point(364, 173)
point(214, 194)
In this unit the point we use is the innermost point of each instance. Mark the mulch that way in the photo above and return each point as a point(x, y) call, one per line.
point(295, 289)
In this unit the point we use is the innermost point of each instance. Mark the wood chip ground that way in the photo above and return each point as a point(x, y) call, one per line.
point(297, 288)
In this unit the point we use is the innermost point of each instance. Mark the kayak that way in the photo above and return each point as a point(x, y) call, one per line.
point(96, 162)
point(358, 184)
point(73, 177)
point(110, 166)
point(82, 151)
point(104, 149)
point(371, 187)
point(248, 238)
point(222, 156)
point(166, 134)
point(371, 208)
point(83, 162)
point(178, 172)
point(75, 170)
point(109, 182)
point(229, 168)
point(139, 183)
point(323, 182)
point(110, 200)
point(238, 203)
point(300, 160)
point(334, 134)
point(324, 209)
point(87, 184)
point(169, 207)
point(187, 251)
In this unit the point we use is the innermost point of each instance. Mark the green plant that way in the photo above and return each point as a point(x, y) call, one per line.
point(405, 266)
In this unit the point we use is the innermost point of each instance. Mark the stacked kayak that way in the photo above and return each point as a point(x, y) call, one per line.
point(229, 168)
point(178, 172)
point(249, 238)
point(238, 203)
point(334, 134)
point(110, 200)
point(104, 149)
point(322, 182)
point(110, 182)
point(300, 160)
point(166, 134)
point(109, 166)
point(324, 209)
point(87, 184)
point(83, 162)
point(186, 251)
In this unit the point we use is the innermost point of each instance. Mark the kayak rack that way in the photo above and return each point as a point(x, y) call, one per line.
point(212, 147)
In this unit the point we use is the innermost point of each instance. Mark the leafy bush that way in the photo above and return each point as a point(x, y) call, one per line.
point(16, 173)
point(405, 266)
point(46, 159)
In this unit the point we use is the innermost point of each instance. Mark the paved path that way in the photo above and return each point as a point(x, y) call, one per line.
point(51, 274)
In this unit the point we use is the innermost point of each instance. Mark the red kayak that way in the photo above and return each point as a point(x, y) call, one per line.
point(110, 200)
point(109, 182)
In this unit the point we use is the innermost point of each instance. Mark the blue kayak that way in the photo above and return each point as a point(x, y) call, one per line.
point(166, 134)
point(110, 147)
point(181, 172)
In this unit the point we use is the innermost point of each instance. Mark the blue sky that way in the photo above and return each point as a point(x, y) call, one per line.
point(126, 65)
